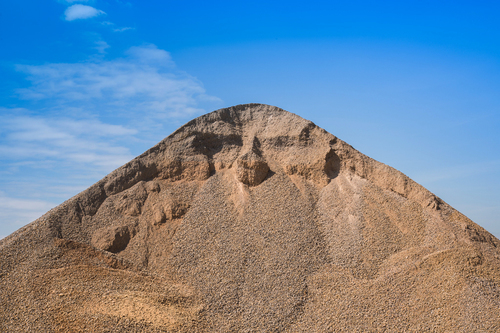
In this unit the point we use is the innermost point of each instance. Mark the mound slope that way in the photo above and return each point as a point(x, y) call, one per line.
point(251, 219)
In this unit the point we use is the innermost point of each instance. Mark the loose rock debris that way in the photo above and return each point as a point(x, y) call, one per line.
point(251, 219)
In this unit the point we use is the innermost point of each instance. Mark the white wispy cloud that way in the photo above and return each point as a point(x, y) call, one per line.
point(144, 81)
point(112, 25)
point(78, 12)
point(29, 206)
point(84, 141)
point(123, 29)
point(101, 46)
point(19, 211)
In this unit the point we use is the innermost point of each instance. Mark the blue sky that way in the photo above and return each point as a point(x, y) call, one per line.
point(88, 85)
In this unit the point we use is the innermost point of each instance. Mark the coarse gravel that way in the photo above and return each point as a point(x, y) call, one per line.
point(251, 219)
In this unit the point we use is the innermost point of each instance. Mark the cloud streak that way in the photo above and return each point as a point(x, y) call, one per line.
point(144, 81)
point(112, 25)
point(122, 29)
point(85, 141)
point(16, 212)
point(81, 12)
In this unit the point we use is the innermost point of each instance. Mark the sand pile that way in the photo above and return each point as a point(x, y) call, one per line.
point(251, 219)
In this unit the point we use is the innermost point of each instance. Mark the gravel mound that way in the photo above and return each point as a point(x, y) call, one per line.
point(251, 219)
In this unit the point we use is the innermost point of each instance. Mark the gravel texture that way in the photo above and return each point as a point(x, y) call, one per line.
point(251, 219)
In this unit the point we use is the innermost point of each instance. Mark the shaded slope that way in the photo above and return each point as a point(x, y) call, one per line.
point(250, 219)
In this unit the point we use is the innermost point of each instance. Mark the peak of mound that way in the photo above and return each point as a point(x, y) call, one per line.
point(251, 218)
